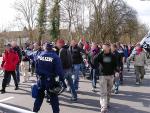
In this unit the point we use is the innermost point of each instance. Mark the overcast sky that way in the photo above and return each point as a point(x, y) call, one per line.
point(7, 13)
point(143, 9)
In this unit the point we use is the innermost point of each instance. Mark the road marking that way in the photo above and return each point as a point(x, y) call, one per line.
point(9, 98)
point(14, 109)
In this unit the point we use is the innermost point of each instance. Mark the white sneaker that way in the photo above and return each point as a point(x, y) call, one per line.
point(104, 110)
point(137, 83)
point(93, 89)
point(68, 89)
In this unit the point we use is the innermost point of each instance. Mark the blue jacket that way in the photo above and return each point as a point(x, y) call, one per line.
point(48, 64)
point(33, 56)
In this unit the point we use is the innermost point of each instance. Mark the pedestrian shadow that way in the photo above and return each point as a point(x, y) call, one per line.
point(25, 84)
point(134, 97)
point(118, 108)
point(25, 92)
point(17, 93)
point(92, 104)
point(130, 81)
point(81, 107)
point(92, 94)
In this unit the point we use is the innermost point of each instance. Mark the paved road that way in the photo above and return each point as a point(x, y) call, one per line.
point(131, 99)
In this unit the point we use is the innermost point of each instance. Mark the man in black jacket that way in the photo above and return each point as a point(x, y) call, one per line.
point(119, 62)
point(19, 51)
point(59, 45)
point(77, 60)
point(66, 59)
point(109, 65)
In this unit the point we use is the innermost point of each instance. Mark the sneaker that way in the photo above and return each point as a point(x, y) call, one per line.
point(121, 82)
point(16, 88)
point(74, 99)
point(116, 92)
point(68, 89)
point(94, 89)
point(108, 106)
point(104, 110)
point(137, 83)
point(7, 85)
point(2, 91)
point(48, 101)
point(140, 80)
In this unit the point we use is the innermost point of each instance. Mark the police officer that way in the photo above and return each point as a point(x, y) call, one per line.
point(48, 64)
point(33, 56)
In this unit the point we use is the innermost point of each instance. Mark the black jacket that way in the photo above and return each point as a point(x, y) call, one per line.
point(56, 49)
point(66, 58)
point(19, 52)
point(76, 55)
point(108, 63)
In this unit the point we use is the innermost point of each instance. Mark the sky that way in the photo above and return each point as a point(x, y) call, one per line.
point(7, 12)
point(143, 9)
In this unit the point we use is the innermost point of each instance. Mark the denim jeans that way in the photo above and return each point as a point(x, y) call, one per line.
point(18, 73)
point(68, 77)
point(117, 83)
point(83, 69)
point(76, 72)
point(94, 76)
point(128, 65)
point(121, 74)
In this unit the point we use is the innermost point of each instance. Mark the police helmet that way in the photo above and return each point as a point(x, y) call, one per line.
point(57, 89)
point(48, 46)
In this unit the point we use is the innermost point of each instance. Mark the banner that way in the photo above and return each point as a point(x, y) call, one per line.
point(145, 43)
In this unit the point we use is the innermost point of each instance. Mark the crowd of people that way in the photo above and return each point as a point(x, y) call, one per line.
point(67, 61)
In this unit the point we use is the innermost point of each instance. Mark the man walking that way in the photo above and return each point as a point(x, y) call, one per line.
point(77, 60)
point(119, 63)
point(16, 48)
point(139, 63)
point(66, 59)
point(10, 60)
point(108, 63)
point(48, 65)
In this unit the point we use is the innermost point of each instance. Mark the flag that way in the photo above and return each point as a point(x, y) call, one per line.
point(145, 43)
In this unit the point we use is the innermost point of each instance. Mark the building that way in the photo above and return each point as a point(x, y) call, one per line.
point(18, 36)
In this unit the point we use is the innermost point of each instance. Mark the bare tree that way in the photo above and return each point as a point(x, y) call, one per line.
point(27, 12)
point(111, 20)
point(96, 21)
point(70, 13)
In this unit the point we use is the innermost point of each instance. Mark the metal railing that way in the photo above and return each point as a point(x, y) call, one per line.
point(11, 109)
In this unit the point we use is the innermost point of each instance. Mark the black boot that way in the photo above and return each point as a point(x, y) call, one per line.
point(2, 91)
point(16, 88)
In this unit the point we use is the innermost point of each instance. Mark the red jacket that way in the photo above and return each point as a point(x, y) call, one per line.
point(10, 60)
